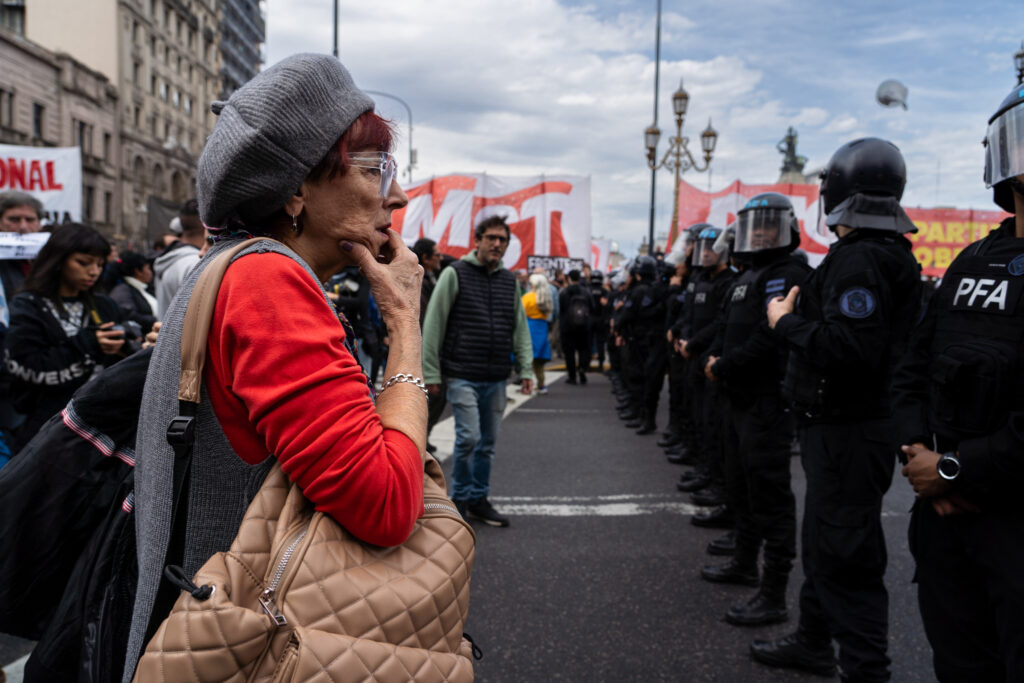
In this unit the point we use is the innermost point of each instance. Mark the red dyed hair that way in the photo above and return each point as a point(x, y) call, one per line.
point(367, 131)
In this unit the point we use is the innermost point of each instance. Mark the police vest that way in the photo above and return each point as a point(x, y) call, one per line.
point(976, 351)
point(707, 298)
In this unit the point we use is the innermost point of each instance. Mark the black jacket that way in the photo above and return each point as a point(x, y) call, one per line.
point(45, 364)
point(134, 305)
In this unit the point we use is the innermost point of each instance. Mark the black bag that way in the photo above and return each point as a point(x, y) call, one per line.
point(66, 576)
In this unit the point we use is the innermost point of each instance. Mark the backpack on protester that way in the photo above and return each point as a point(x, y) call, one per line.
point(297, 597)
point(578, 315)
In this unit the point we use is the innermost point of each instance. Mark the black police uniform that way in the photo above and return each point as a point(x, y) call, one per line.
point(599, 323)
point(960, 388)
point(641, 324)
point(758, 428)
point(708, 308)
point(850, 326)
point(675, 303)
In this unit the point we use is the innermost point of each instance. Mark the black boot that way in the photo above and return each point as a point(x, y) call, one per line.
point(718, 518)
point(694, 483)
point(710, 497)
point(723, 545)
point(740, 570)
point(669, 439)
point(795, 652)
point(768, 606)
point(636, 422)
point(648, 426)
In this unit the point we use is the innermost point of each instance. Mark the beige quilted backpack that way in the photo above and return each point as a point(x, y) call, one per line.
point(298, 598)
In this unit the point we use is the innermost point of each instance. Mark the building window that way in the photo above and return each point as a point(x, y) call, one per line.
point(167, 55)
point(6, 108)
point(188, 106)
point(179, 64)
point(152, 85)
point(108, 203)
point(136, 72)
point(135, 31)
point(152, 125)
point(38, 114)
point(83, 136)
point(106, 146)
point(190, 73)
point(152, 8)
point(152, 46)
point(167, 130)
point(163, 91)
point(137, 117)
point(167, 16)
point(87, 201)
point(12, 15)
point(176, 99)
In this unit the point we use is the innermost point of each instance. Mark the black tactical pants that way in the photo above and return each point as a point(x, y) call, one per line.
point(634, 358)
point(677, 418)
point(849, 468)
point(757, 464)
point(655, 366)
point(576, 346)
point(970, 587)
point(713, 406)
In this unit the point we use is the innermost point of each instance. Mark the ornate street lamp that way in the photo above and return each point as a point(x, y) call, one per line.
point(1018, 61)
point(678, 157)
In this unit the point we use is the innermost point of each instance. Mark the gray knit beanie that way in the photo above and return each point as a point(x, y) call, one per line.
point(271, 132)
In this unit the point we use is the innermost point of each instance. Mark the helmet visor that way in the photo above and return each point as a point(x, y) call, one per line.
point(1004, 146)
point(704, 254)
point(761, 229)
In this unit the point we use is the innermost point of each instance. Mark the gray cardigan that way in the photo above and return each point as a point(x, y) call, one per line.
point(221, 484)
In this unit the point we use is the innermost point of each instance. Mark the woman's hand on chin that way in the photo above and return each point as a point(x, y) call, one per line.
point(395, 278)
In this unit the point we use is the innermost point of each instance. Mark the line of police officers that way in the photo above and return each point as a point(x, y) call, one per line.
point(758, 347)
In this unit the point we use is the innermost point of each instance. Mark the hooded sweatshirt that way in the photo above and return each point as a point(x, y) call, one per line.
point(169, 270)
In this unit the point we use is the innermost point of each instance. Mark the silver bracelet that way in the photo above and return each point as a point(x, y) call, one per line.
point(403, 377)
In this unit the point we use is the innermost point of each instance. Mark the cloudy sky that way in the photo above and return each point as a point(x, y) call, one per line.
point(565, 86)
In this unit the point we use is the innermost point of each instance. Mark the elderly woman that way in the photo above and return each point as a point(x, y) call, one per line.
point(297, 155)
point(538, 305)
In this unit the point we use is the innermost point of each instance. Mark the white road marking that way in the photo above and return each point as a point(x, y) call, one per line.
point(596, 510)
point(16, 670)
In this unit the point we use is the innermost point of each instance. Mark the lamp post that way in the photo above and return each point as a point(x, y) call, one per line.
point(408, 110)
point(1018, 61)
point(677, 157)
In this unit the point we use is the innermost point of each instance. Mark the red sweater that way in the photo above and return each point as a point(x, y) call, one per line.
point(282, 382)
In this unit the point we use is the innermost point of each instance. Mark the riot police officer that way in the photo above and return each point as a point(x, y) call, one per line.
point(757, 428)
point(852, 322)
point(640, 325)
point(959, 392)
point(602, 314)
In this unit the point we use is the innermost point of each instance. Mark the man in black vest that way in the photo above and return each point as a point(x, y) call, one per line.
point(849, 329)
point(959, 398)
point(474, 325)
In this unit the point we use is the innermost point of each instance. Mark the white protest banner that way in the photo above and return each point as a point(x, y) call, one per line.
point(599, 252)
point(53, 175)
point(551, 264)
point(547, 214)
point(14, 245)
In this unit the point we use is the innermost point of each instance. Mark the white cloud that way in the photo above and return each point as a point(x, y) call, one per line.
point(538, 86)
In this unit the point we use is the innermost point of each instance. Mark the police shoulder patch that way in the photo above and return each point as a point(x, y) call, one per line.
point(1016, 266)
point(857, 303)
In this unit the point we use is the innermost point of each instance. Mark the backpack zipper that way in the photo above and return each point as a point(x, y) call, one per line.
point(267, 597)
point(440, 506)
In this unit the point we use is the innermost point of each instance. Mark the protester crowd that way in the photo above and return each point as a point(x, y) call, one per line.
point(851, 364)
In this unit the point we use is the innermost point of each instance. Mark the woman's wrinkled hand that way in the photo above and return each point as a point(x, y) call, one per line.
point(396, 284)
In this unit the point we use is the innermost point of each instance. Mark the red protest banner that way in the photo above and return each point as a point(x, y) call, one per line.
point(941, 235)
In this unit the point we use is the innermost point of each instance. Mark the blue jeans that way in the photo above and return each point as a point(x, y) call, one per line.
point(477, 408)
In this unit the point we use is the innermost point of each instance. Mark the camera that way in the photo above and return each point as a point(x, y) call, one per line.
point(132, 336)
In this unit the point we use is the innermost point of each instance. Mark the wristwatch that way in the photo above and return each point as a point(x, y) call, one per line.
point(949, 466)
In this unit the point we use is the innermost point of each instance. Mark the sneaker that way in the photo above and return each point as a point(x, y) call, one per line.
point(482, 509)
point(583, 378)
point(461, 506)
point(542, 390)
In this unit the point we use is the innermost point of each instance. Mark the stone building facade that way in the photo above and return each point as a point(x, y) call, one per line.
point(52, 100)
point(164, 64)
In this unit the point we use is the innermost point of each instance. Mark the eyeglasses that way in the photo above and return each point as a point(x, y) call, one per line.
point(382, 162)
point(500, 239)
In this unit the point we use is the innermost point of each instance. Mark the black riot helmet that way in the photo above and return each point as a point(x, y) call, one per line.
point(862, 185)
point(644, 267)
point(704, 253)
point(765, 223)
point(1004, 150)
point(596, 277)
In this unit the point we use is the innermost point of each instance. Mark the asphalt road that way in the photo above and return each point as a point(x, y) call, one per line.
point(597, 578)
